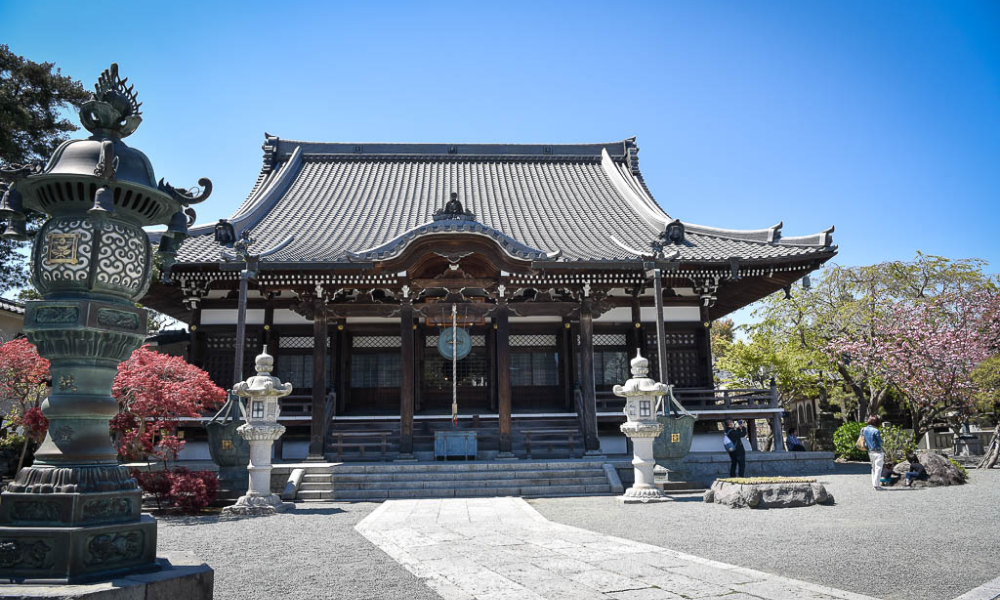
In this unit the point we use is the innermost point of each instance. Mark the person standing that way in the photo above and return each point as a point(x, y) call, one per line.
point(738, 455)
point(873, 442)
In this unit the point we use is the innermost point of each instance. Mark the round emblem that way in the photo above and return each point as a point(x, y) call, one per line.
point(462, 345)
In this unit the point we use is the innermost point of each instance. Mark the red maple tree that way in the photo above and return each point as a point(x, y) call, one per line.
point(154, 391)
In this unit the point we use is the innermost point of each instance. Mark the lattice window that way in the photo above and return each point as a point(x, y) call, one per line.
point(376, 341)
point(221, 352)
point(607, 339)
point(478, 341)
point(534, 369)
point(472, 371)
point(610, 339)
point(378, 370)
point(295, 342)
point(684, 368)
point(297, 369)
point(610, 368)
point(533, 341)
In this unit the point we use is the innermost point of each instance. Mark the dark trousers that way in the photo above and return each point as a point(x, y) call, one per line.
point(737, 459)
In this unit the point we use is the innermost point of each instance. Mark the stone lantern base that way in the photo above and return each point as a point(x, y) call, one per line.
point(643, 491)
point(643, 496)
point(257, 506)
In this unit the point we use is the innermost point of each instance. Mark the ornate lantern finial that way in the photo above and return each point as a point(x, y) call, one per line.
point(113, 108)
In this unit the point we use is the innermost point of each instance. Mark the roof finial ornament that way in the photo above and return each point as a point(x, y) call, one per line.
point(453, 210)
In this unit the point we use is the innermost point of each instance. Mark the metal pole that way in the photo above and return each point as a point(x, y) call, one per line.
point(661, 343)
point(241, 326)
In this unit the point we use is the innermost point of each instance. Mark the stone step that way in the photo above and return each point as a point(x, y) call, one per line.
point(565, 490)
point(517, 465)
point(488, 483)
point(315, 495)
point(316, 485)
point(467, 475)
point(317, 476)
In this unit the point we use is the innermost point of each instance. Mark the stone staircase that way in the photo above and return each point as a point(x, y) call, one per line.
point(374, 482)
point(367, 433)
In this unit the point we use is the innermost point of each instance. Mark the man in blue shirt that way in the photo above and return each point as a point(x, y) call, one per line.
point(873, 441)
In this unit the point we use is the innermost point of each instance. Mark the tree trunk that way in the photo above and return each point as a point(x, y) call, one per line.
point(992, 451)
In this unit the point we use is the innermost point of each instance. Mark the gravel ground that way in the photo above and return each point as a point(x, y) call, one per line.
point(312, 553)
point(931, 544)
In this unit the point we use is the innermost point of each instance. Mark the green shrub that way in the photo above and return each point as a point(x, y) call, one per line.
point(844, 439)
point(897, 443)
point(961, 469)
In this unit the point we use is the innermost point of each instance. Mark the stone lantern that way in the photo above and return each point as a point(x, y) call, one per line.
point(642, 427)
point(75, 514)
point(260, 431)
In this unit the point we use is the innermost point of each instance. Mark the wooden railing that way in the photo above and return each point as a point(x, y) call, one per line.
point(301, 406)
point(704, 400)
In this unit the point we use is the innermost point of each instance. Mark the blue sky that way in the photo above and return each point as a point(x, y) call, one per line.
point(881, 118)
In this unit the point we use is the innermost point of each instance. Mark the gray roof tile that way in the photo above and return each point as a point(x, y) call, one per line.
point(339, 199)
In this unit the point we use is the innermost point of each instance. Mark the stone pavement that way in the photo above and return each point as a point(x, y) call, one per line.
point(501, 548)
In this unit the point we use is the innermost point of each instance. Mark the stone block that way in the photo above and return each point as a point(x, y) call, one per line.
point(76, 554)
point(178, 575)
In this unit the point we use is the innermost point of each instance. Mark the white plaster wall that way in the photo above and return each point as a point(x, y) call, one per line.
point(225, 316)
point(671, 314)
point(294, 450)
point(289, 317)
point(712, 442)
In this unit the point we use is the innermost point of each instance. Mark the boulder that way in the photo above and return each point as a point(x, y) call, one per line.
point(940, 471)
point(768, 495)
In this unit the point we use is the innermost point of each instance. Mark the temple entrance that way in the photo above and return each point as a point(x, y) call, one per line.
point(473, 375)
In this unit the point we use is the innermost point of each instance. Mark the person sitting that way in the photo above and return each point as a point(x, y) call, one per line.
point(793, 443)
point(917, 472)
point(888, 475)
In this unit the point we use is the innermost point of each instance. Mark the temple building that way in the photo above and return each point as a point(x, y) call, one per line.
point(532, 265)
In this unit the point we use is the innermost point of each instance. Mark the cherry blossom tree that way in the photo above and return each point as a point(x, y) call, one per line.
point(929, 349)
point(23, 382)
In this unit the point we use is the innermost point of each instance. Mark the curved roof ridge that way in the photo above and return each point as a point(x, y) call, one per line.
point(280, 147)
point(255, 208)
point(770, 235)
point(396, 245)
point(625, 185)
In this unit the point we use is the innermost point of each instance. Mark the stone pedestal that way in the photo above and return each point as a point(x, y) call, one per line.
point(643, 489)
point(969, 445)
point(259, 500)
point(174, 575)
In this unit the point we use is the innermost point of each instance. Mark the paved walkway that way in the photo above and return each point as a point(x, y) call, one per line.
point(501, 548)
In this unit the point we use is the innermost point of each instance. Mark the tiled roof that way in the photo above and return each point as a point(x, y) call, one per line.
point(562, 202)
point(11, 306)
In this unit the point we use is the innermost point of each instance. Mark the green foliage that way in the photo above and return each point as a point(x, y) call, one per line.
point(897, 443)
point(844, 440)
point(12, 440)
point(961, 469)
point(987, 378)
point(796, 340)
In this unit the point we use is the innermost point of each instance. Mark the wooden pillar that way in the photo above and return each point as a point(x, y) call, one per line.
point(197, 340)
point(566, 352)
point(503, 376)
point(318, 425)
point(636, 337)
point(270, 336)
point(332, 360)
point(752, 434)
point(406, 381)
point(587, 384)
point(420, 345)
point(342, 375)
point(491, 366)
